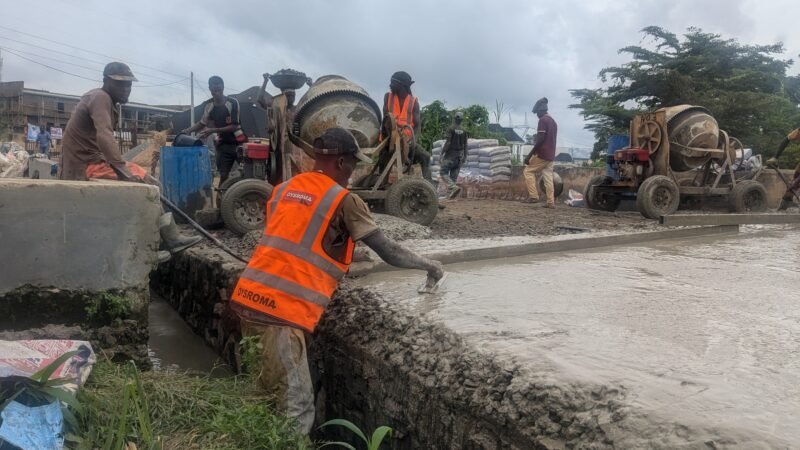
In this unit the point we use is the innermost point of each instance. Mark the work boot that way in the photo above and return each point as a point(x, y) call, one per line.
point(172, 239)
point(453, 192)
point(530, 200)
point(163, 256)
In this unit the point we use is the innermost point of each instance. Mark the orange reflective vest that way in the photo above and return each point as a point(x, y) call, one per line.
point(404, 114)
point(290, 276)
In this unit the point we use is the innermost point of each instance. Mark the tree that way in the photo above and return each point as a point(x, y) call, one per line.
point(436, 118)
point(745, 87)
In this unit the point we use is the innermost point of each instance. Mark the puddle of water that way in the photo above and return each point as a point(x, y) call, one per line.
point(703, 331)
point(173, 346)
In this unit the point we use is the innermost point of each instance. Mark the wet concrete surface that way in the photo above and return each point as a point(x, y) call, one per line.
point(702, 334)
point(173, 346)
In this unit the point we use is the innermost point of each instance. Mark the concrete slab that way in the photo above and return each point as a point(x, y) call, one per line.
point(683, 220)
point(77, 235)
point(696, 334)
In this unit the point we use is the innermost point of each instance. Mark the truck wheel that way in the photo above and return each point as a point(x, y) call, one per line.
point(599, 199)
point(244, 206)
point(227, 184)
point(658, 196)
point(748, 196)
point(412, 199)
point(558, 185)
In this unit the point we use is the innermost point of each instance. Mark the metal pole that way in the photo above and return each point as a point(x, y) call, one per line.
point(191, 113)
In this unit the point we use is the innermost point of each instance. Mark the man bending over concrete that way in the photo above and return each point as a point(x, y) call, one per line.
point(313, 222)
point(788, 197)
point(89, 149)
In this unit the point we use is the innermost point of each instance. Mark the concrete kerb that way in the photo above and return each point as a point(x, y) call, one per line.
point(561, 245)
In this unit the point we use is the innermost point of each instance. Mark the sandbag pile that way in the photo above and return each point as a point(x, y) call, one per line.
point(486, 161)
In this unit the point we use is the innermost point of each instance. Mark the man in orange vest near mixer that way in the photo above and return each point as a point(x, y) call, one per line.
point(402, 104)
point(307, 247)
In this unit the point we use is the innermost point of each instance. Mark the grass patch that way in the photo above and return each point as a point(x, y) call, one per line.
point(157, 410)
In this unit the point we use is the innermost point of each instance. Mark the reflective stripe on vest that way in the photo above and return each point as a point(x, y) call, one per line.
point(404, 114)
point(290, 276)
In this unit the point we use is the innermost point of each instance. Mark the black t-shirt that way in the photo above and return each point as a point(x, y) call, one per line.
point(223, 115)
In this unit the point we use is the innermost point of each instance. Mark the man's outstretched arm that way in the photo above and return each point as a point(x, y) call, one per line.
point(399, 256)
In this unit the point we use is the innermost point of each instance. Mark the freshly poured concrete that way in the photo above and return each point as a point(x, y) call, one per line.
point(701, 334)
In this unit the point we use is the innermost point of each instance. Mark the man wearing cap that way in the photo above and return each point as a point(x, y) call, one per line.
point(402, 104)
point(90, 151)
point(540, 158)
point(454, 154)
point(312, 225)
point(88, 147)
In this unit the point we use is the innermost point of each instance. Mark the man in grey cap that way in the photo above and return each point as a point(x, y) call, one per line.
point(89, 149)
point(312, 225)
point(540, 158)
point(454, 154)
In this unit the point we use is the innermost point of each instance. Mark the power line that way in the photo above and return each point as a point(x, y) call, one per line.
point(100, 63)
point(161, 85)
point(87, 51)
point(51, 67)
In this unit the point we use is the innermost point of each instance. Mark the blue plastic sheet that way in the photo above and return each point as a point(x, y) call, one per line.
point(33, 427)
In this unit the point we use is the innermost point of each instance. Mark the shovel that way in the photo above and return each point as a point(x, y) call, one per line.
point(431, 286)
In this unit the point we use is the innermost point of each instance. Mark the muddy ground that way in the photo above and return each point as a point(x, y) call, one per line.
point(482, 218)
point(462, 219)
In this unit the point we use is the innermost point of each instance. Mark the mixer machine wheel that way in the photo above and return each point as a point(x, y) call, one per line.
point(648, 136)
point(658, 196)
point(599, 199)
point(243, 207)
point(748, 196)
point(412, 199)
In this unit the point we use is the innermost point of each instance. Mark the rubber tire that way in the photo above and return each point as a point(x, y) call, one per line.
point(223, 188)
point(608, 203)
point(650, 196)
point(422, 211)
point(230, 207)
point(558, 185)
point(738, 197)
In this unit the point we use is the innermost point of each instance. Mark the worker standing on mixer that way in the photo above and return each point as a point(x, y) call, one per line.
point(402, 104)
point(788, 197)
point(307, 247)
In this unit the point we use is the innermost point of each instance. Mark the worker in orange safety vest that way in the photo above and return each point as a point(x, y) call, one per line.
point(312, 225)
point(402, 104)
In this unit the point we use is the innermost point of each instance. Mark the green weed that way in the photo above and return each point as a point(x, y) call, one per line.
point(373, 442)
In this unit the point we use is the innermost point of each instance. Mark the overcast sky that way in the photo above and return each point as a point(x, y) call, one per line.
point(461, 52)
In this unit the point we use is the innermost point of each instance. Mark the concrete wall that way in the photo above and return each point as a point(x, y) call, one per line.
point(77, 235)
point(78, 254)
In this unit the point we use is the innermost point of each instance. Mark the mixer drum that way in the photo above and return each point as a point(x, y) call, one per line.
point(691, 129)
point(334, 101)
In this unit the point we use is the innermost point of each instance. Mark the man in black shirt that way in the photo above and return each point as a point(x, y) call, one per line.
point(454, 154)
point(221, 117)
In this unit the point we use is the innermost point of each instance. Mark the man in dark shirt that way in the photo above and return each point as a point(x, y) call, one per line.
point(221, 116)
point(541, 157)
point(454, 153)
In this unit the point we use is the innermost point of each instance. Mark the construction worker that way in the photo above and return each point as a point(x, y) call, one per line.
point(402, 104)
point(541, 156)
point(90, 151)
point(307, 246)
point(221, 117)
point(788, 197)
point(44, 140)
point(454, 154)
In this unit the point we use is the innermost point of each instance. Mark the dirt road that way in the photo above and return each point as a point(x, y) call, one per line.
point(482, 218)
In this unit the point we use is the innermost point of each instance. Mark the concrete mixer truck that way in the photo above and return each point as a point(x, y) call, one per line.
point(331, 101)
point(676, 154)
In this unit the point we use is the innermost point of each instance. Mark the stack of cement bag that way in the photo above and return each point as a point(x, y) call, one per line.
point(486, 161)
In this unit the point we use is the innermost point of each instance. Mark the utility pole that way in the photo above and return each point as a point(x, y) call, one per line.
point(191, 84)
point(1, 65)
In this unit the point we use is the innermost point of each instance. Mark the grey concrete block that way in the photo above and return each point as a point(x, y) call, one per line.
point(89, 236)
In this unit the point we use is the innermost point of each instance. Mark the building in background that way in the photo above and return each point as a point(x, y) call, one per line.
point(20, 106)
